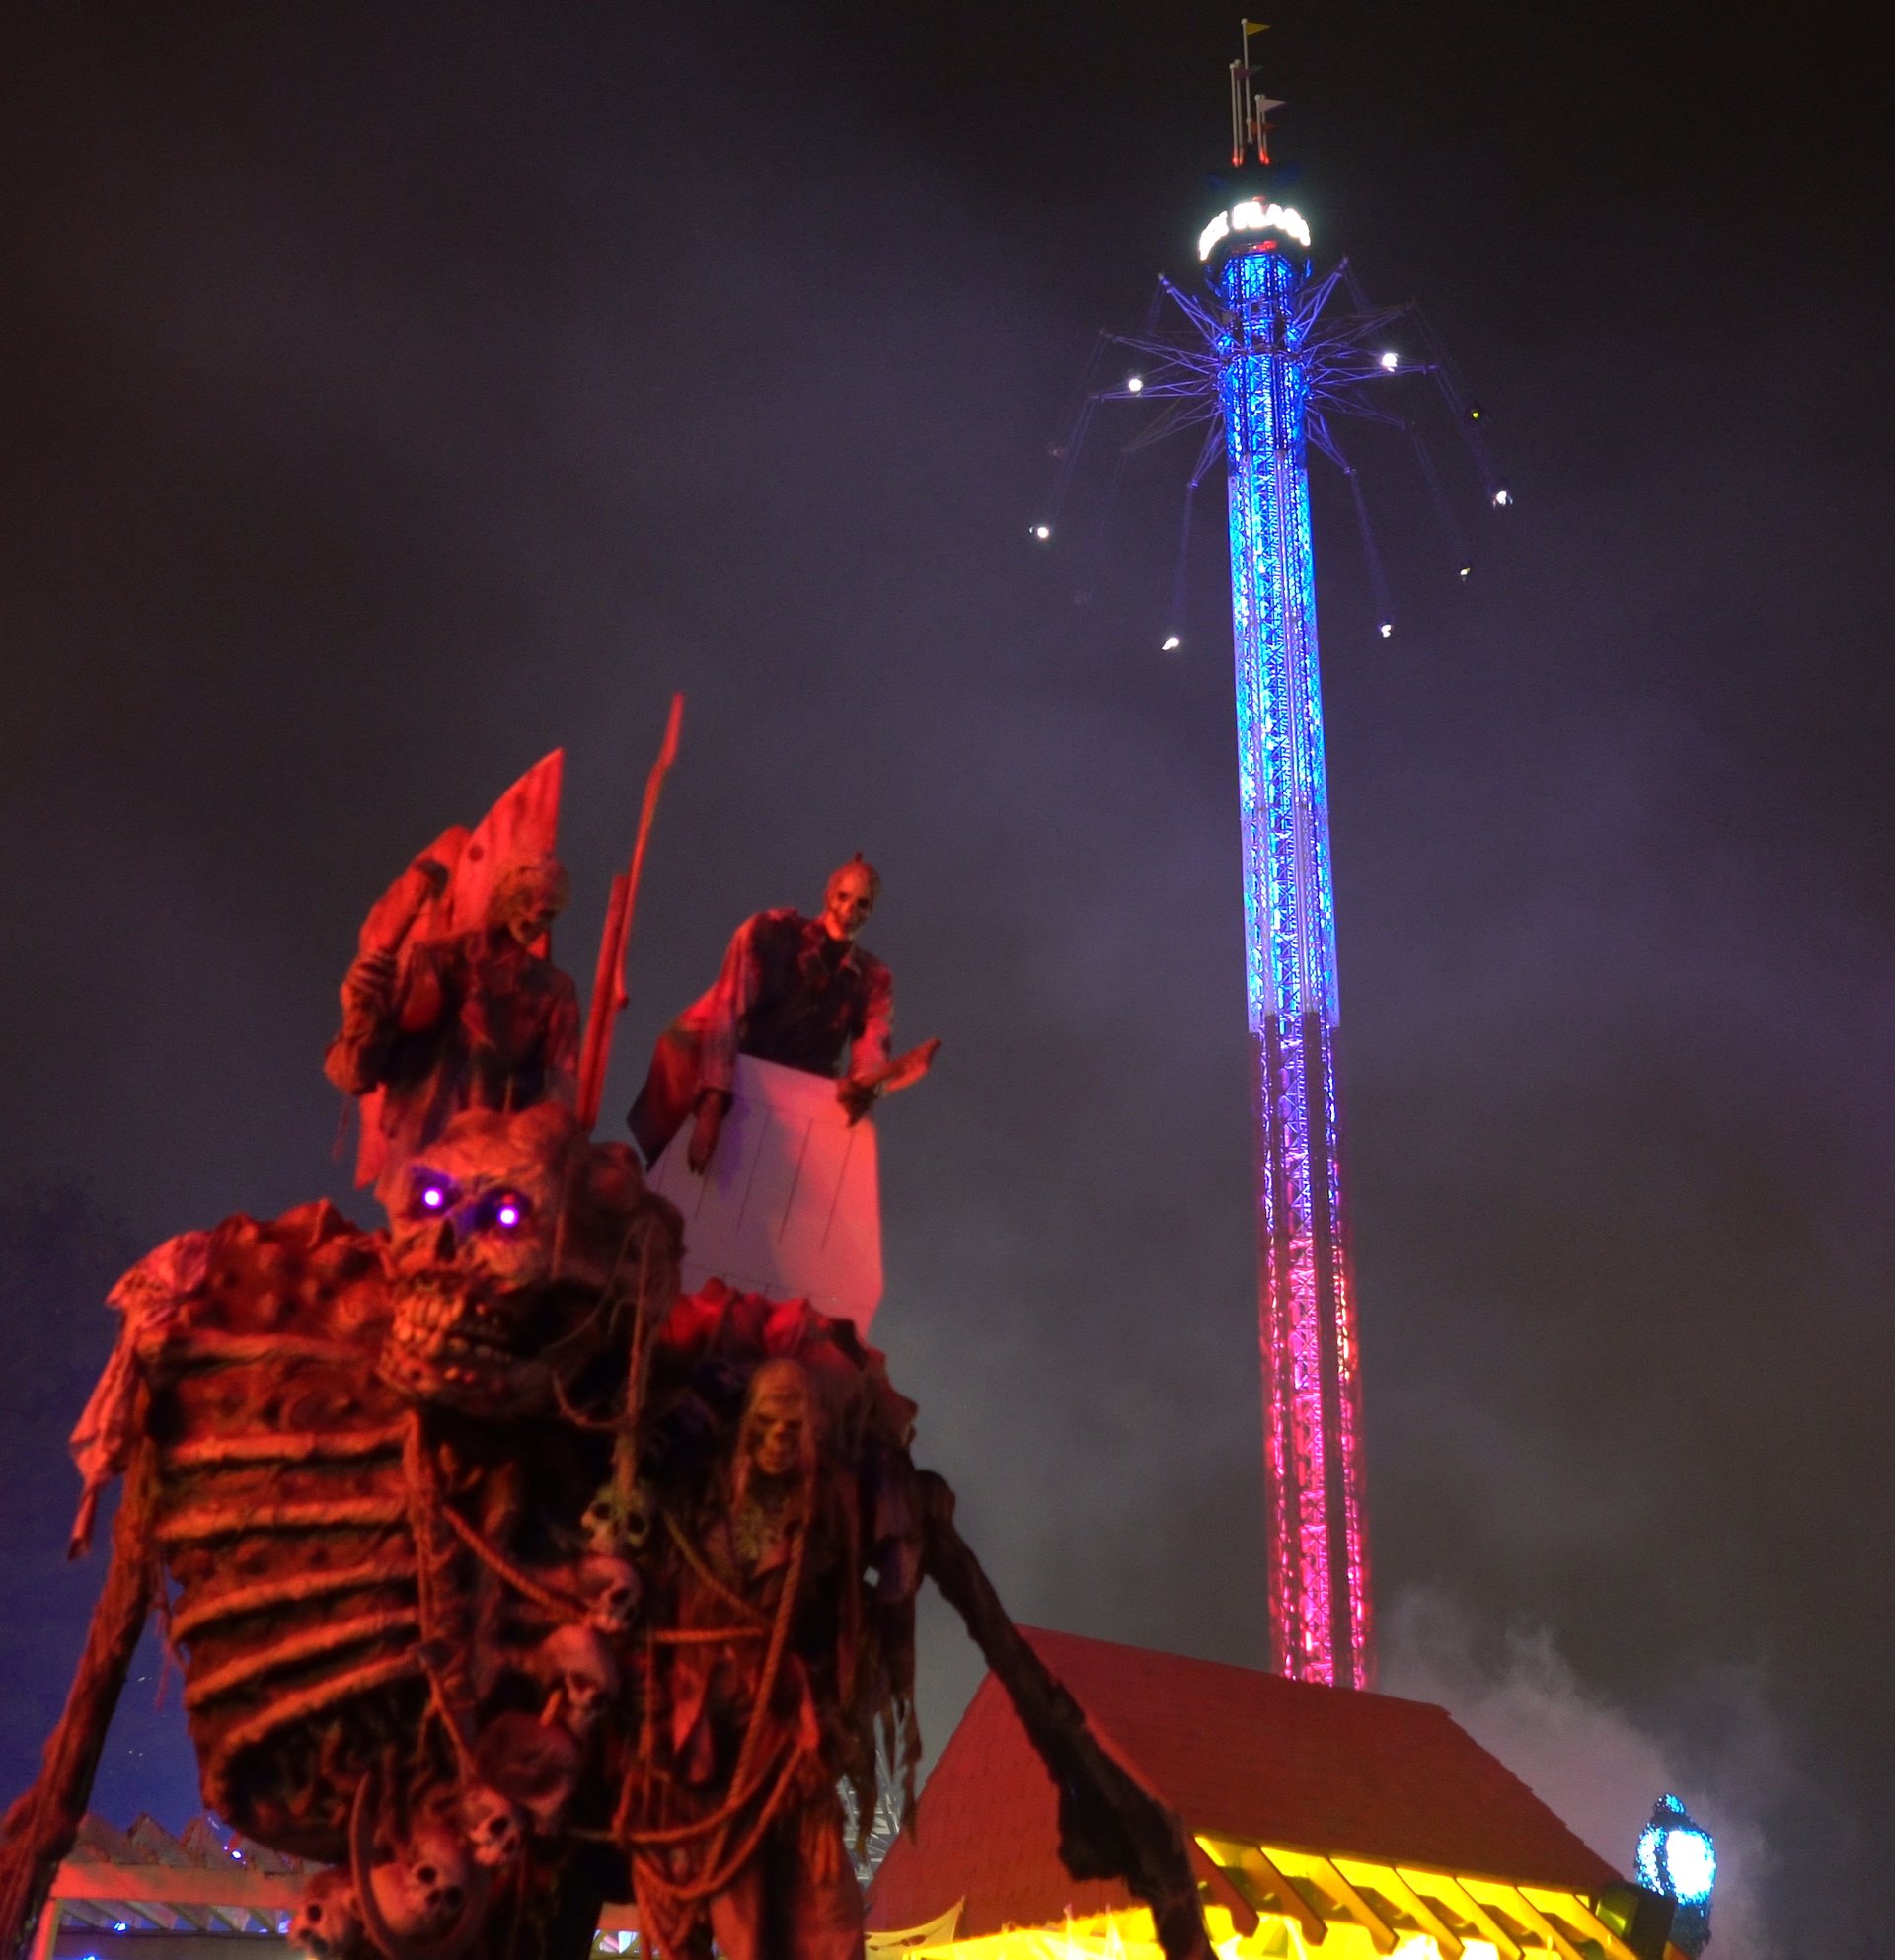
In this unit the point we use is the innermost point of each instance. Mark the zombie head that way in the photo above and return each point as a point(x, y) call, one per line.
point(777, 1440)
point(849, 897)
point(529, 893)
point(580, 1677)
point(515, 1248)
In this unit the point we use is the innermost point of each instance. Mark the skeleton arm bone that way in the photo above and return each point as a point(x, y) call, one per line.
point(373, 988)
point(1109, 1825)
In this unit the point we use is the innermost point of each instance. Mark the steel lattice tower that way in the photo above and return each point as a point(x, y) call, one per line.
point(1269, 357)
point(1312, 1389)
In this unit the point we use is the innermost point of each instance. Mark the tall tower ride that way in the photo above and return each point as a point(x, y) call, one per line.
point(1258, 261)
point(1267, 359)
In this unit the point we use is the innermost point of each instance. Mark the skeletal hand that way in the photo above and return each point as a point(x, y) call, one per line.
point(711, 1106)
point(370, 982)
point(857, 1097)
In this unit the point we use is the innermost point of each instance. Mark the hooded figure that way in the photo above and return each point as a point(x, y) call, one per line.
point(478, 1019)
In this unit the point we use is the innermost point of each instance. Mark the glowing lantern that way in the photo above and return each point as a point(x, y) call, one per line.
point(1677, 1857)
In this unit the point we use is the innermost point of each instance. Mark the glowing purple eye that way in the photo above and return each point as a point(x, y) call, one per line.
point(506, 1213)
point(433, 1198)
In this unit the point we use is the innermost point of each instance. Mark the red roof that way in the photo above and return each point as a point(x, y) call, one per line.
point(1238, 1753)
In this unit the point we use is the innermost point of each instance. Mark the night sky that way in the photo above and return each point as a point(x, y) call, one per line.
point(388, 396)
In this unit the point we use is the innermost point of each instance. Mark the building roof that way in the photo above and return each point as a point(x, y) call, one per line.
point(1240, 1755)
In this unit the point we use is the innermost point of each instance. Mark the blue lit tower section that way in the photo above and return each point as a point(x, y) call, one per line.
point(1312, 1392)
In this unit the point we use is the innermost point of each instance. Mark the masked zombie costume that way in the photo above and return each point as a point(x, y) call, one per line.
point(789, 993)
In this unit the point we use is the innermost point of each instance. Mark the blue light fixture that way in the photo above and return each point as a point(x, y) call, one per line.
point(1678, 1857)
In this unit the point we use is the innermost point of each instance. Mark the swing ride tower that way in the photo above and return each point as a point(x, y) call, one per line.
point(1256, 259)
point(1269, 356)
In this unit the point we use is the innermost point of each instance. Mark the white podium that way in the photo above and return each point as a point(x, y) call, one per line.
point(790, 1205)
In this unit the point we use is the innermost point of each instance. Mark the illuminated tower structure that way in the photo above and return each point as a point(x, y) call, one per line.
point(1319, 1576)
point(1269, 356)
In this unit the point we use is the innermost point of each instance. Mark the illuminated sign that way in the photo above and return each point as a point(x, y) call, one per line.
point(1252, 215)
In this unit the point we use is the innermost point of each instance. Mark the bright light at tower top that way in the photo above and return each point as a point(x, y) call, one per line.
point(1252, 215)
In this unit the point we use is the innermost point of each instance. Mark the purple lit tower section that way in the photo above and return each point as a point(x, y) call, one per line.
point(1319, 1573)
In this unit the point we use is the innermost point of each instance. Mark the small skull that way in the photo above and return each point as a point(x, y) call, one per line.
point(577, 1666)
point(610, 1588)
point(602, 1526)
point(492, 1826)
point(422, 1892)
point(327, 1924)
point(612, 1525)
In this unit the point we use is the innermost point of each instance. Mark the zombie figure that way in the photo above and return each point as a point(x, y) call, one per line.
point(776, 1659)
point(480, 1019)
point(793, 990)
point(782, 1542)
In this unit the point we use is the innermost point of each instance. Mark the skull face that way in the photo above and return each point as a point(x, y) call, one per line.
point(849, 898)
point(327, 1924)
point(528, 894)
point(613, 1525)
point(778, 1435)
point(604, 1529)
point(472, 1237)
point(514, 1246)
point(578, 1667)
point(492, 1826)
point(422, 1892)
point(610, 1588)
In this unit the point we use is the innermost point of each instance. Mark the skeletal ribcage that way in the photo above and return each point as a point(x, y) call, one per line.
point(283, 1522)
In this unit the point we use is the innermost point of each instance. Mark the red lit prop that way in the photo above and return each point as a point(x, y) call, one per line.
point(608, 984)
point(507, 1580)
point(452, 1002)
point(795, 991)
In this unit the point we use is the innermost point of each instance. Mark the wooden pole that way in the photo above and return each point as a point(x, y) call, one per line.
point(608, 980)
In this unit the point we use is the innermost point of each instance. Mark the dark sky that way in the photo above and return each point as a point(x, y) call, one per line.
point(389, 395)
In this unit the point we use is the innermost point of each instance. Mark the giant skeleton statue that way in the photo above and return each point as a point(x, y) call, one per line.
point(504, 1578)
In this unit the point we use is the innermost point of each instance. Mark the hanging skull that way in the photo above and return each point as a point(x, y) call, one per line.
point(602, 1524)
point(421, 1894)
point(610, 1588)
point(327, 1924)
point(494, 1827)
point(578, 1668)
